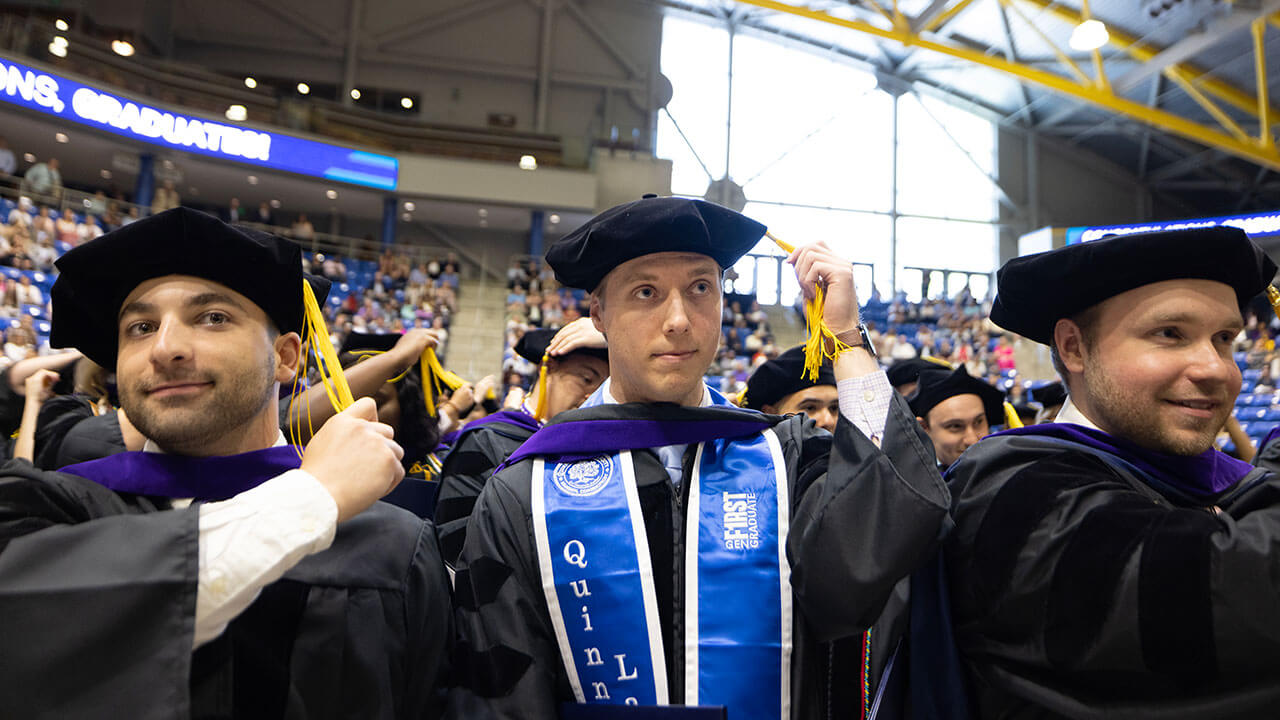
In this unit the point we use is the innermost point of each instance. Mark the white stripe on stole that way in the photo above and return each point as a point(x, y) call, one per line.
point(539, 509)
point(784, 567)
point(691, 635)
point(652, 622)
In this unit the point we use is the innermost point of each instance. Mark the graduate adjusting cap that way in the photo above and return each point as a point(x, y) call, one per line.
point(651, 225)
point(96, 277)
point(782, 376)
point(533, 345)
point(1036, 291)
point(938, 385)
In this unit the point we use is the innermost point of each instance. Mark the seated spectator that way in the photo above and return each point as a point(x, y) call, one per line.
point(8, 163)
point(25, 293)
point(42, 255)
point(131, 216)
point(449, 276)
point(68, 230)
point(21, 213)
point(20, 344)
point(302, 228)
point(89, 229)
point(264, 215)
point(42, 225)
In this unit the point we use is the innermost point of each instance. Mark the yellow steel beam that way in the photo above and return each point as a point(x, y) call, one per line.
point(1210, 106)
point(1062, 56)
point(1220, 89)
point(1259, 29)
point(1248, 148)
point(1099, 72)
point(946, 15)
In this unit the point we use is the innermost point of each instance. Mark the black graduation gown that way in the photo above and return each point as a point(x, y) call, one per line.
point(862, 519)
point(478, 451)
point(97, 615)
point(1079, 590)
point(90, 439)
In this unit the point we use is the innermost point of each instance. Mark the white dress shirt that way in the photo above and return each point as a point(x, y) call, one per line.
point(249, 541)
point(1071, 414)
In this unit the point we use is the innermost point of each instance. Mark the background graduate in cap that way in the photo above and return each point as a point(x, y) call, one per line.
point(1112, 563)
point(222, 572)
point(662, 547)
point(779, 387)
point(956, 410)
point(904, 374)
point(572, 362)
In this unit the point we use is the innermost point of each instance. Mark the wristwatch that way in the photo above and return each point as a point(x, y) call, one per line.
point(863, 339)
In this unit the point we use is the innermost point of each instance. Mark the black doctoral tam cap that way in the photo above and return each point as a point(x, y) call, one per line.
point(1036, 291)
point(907, 371)
point(780, 377)
point(533, 345)
point(96, 277)
point(1055, 393)
point(651, 225)
point(938, 385)
point(370, 342)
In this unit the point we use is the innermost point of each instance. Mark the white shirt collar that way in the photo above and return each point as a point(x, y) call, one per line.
point(1071, 414)
point(151, 447)
point(606, 389)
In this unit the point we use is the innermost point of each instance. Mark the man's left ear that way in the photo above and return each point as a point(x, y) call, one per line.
point(288, 351)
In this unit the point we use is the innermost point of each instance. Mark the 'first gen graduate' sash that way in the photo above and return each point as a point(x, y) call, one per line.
point(598, 580)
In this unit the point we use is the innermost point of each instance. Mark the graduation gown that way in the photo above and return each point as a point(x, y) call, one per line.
point(89, 439)
point(97, 612)
point(478, 451)
point(1083, 586)
point(862, 518)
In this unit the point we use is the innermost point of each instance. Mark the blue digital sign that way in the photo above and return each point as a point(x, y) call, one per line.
point(55, 95)
point(1258, 225)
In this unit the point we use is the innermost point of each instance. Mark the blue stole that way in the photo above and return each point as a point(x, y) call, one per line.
point(597, 578)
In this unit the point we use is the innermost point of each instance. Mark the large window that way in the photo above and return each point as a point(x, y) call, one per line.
point(810, 140)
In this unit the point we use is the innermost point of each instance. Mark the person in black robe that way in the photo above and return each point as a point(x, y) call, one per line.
point(1111, 563)
point(577, 361)
point(654, 269)
point(221, 573)
point(780, 387)
point(956, 410)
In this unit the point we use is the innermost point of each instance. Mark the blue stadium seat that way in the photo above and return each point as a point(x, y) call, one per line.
point(1254, 413)
point(43, 327)
point(1263, 400)
point(1241, 360)
point(1247, 385)
point(1252, 374)
point(1272, 414)
point(1230, 447)
point(35, 311)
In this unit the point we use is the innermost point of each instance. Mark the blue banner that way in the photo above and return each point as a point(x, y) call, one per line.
point(1257, 225)
point(104, 110)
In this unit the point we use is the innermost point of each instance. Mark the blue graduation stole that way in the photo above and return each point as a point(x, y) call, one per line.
point(597, 578)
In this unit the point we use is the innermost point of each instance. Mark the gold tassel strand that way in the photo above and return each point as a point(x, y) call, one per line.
point(331, 375)
point(1273, 295)
point(1011, 419)
point(540, 407)
point(822, 343)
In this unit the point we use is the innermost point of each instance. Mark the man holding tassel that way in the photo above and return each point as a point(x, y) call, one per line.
point(661, 547)
point(220, 573)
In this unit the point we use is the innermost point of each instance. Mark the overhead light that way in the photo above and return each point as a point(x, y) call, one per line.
point(406, 217)
point(331, 194)
point(123, 48)
point(482, 212)
point(250, 83)
point(105, 174)
point(484, 223)
point(61, 137)
point(28, 157)
point(61, 25)
point(355, 93)
point(57, 50)
point(555, 219)
point(528, 162)
point(303, 88)
point(253, 179)
point(237, 113)
point(1089, 35)
point(409, 206)
point(275, 204)
point(406, 102)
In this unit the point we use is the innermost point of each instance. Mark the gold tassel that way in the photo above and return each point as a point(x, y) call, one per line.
point(540, 407)
point(1011, 419)
point(822, 344)
point(435, 379)
point(1273, 295)
point(331, 375)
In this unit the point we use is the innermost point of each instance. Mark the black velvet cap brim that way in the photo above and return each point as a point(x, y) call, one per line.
point(95, 278)
point(782, 376)
point(936, 386)
point(375, 342)
point(1036, 291)
point(651, 225)
point(908, 371)
point(533, 344)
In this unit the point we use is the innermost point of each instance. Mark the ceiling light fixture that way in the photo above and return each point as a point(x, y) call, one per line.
point(61, 25)
point(555, 219)
point(237, 113)
point(406, 103)
point(253, 179)
point(355, 93)
point(58, 50)
point(123, 48)
point(331, 194)
point(61, 137)
point(528, 162)
point(1089, 35)
point(409, 206)
point(303, 88)
point(250, 83)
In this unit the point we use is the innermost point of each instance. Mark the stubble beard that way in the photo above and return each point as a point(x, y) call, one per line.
point(1138, 419)
point(187, 428)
